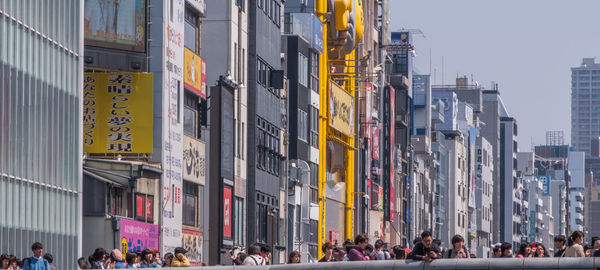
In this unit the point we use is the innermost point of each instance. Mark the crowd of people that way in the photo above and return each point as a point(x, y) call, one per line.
point(425, 248)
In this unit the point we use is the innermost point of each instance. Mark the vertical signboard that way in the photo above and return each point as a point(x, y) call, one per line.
point(318, 34)
point(392, 157)
point(532, 231)
point(472, 141)
point(227, 212)
point(172, 124)
point(341, 110)
point(194, 75)
point(545, 179)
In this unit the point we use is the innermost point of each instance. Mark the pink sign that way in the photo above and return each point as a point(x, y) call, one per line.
point(139, 235)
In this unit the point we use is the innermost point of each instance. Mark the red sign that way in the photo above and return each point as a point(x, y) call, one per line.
point(375, 141)
point(149, 207)
point(227, 212)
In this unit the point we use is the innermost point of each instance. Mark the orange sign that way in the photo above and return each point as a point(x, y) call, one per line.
point(195, 73)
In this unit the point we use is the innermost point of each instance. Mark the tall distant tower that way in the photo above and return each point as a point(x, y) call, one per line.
point(585, 104)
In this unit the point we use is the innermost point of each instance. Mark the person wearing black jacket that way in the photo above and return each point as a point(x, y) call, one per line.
point(559, 245)
point(423, 250)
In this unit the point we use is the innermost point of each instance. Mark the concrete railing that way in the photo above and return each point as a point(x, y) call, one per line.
point(446, 264)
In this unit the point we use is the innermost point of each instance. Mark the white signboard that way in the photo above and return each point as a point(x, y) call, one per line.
point(172, 125)
point(194, 160)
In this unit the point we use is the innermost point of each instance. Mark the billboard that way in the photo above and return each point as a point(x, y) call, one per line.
point(137, 236)
point(116, 24)
point(194, 160)
point(192, 242)
point(117, 113)
point(450, 102)
point(341, 109)
point(400, 38)
point(194, 77)
point(545, 179)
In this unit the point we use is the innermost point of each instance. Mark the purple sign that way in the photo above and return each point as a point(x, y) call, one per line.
point(138, 235)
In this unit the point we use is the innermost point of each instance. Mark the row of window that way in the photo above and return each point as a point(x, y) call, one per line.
point(272, 9)
point(267, 147)
point(586, 78)
point(585, 72)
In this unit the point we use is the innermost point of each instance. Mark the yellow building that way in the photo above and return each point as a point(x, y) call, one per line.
point(341, 32)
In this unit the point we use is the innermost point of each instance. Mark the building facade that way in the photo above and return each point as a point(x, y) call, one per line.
point(576, 191)
point(585, 92)
point(232, 36)
point(41, 140)
point(266, 126)
point(484, 191)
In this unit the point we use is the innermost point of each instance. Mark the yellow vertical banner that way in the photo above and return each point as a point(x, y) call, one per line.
point(117, 113)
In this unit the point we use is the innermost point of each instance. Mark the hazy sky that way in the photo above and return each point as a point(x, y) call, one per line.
point(527, 47)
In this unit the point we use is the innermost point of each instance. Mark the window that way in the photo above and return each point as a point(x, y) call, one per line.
point(261, 220)
point(191, 35)
point(314, 72)
point(267, 147)
point(302, 125)
point(314, 127)
point(314, 183)
point(190, 115)
point(302, 69)
point(144, 207)
point(239, 221)
point(190, 204)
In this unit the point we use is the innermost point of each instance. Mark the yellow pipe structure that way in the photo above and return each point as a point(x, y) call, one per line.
point(323, 93)
point(349, 175)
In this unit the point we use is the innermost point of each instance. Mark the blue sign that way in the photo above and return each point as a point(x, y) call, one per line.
point(545, 179)
point(318, 35)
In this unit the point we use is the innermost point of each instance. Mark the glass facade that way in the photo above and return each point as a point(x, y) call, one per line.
point(40, 141)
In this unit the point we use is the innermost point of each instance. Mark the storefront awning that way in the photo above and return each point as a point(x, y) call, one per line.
point(111, 180)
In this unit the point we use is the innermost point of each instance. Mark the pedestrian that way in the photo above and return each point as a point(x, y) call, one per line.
point(559, 245)
point(117, 258)
point(436, 246)
point(239, 259)
point(36, 262)
point(597, 248)
point(339, 254)
point(83, 263)
point(496, 252)
point(265, 252)
point(380, 253)
point(399, 253)
point(587, 249)
point(347, 245)
point(148, 259)
point(254, 257)
point(13, 262)
point(138, 259)
point(506, 249)
point(422, 250)
point(4, 262)
point(525, 251)
point(48, 257)
point(358, 253)
point(327, 249)
point(294, 257)
point(575, 249)
point(157, 259)
point(130, 259)
point(179, 260)
point(417, 240)
point(167, 259)
point(458, 250)
point(98, 259)
point(541, 251)
point(369, 252)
